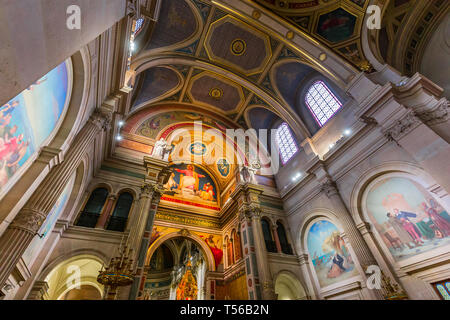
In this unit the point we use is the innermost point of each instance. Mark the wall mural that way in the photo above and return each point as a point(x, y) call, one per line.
point(38, 242)
point(336, 26)
point(191, 185)
point(213, 241)
point(407, 217)
point(330, 256)
point(28, 120)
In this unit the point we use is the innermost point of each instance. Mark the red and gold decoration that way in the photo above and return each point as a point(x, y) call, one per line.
point(187, 289)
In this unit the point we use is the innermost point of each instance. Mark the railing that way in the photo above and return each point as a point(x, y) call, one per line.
point(271, 246)
point(117, 224)
point(88, 219)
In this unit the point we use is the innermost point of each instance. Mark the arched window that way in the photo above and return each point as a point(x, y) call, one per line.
point(286, 143)
point(322, 103)
point(267, 233)
point(285, 247)
point(237, 245)
point(118, 220)
point(230, 252)
point(93, 208)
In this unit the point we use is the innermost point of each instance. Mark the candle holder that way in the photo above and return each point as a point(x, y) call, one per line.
point(119, 273)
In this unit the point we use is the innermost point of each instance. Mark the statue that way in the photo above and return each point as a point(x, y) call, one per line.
point(248, 173)
point(161, 150)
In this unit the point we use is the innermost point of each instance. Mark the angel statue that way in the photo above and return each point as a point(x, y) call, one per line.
point(161, 150)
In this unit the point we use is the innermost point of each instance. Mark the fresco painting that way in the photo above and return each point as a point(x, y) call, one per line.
point(153, 126)
point(330, 256)
point(408, 218)
point(336, 26)
point(27, 120)
point(191, 185)
point(213, 241)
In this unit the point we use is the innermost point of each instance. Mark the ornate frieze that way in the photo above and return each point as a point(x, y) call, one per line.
point(101, 118)
point(329, 187)
point(28, 220)
point(402, 127)
point(435, 116)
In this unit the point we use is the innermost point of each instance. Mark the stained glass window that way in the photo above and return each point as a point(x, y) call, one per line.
point(286, 143)
point(322, 103)
point(138, 26)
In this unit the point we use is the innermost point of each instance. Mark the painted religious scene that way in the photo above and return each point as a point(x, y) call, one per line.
point(28, 120)
point(190, 185)
point(330, 256)
point(408, 218)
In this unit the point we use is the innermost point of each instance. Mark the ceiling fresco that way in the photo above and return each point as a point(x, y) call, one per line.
point(207, 88)
point(335, 23)
point(223, 41)
point(180, 23)
point(237, 44)
point(156, 82)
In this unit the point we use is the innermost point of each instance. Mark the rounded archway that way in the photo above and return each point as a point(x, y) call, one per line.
point(176, 269)
point(75, 279)
point(288, 287)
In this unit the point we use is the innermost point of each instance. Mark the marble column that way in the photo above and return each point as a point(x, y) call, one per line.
point(141, 230)
point(255, 253)
point(303, 261)
point(268, 292)
point(275, 237)
point(359, 246)
point(144, 239)
point(26, 224)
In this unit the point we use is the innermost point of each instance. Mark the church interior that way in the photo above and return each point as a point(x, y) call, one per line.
point(225, 150)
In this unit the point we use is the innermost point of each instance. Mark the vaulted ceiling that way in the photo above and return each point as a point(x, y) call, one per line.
point(198, 55)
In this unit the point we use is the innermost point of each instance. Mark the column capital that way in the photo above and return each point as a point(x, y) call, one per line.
point(364, 228)
point(303, 258)
point(438, 115)
point(402, 127)
point(28, 220)
point(250, 211)
point(101, 118)
point(329, 187)
point(157, 170)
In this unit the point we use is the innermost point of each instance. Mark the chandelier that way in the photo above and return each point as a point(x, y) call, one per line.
point(119, 273)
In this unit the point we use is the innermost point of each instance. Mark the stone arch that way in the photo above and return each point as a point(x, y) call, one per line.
point(196, 239)
point(286, 280)
point(58, 288)
point(360, 213)
point(288, 115)
point(409, 169)
point(310, 218)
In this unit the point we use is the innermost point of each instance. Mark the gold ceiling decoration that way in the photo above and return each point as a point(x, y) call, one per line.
point(336, 24)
